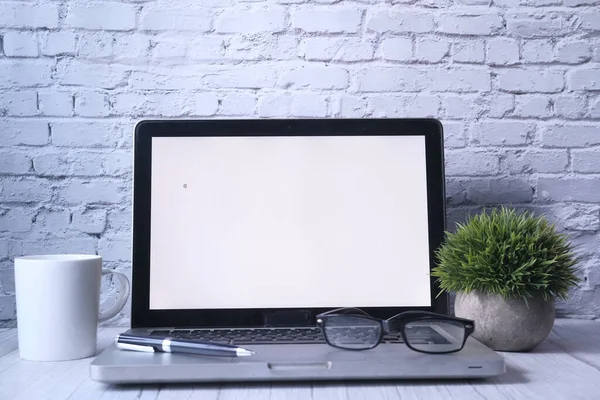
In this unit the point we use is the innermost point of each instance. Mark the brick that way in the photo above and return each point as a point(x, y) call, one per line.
point(397, 49)
point(3, 249)
point(500, 105)
point(298, 105)
point(89, 220)
point(337, 49)
point(51, 164)
point(590, 20)
point(106, 15)
point(86, 163)
point(172, 79)
point(91, 192)
point(502, 133)
point(164, 104)
point(23, 132)
point(502, 190)
point(586, 161)
point(61, 245)
point(578, 217)
point(549, 25)
point(459, 80)
point(26, 15)
point(79, 73)
point(570, 106)
point(570, 189)
point(114, 248)
point(314, 78)
point(7, 281)
point(169, 48)
point(400, 22)
point(405, 106)
point(388, 106)
point(468, 51)
point(531, 161)
point(251, 20)
point(595, 108)
point(487, 24)
point(16, 220)
point(455, 193)
point(530, 81)
point(238, 104)
point(25, 191)
point(25, 73)
point(59, 43)
point(206, 48)
point(96, 45)
point(56, 103)
point(502, 51)
point(119, 221)
point(8, 306)
point(91, 104)
point(206, 104)
point(537, 51)
point(14, 163)
point(471, 163)
point(462, 106)
point(584, 79)
point(117, 163)
point(571, 135)
point(261, 46)
point(86, 133)
point(322, 20)
point(353, 107)
point(454, 134)
point(246, 77)
point(131, 48)
point(158, 18)
point(575, 3)
point(574, 52)
point(432, 50)
point(19, 104)
point(20, 44)
point(391, 79)
point(533, 106)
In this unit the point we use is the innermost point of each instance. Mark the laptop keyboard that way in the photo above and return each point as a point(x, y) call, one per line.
point(421, 335)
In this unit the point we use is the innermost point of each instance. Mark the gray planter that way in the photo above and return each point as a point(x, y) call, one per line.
point(506, 325)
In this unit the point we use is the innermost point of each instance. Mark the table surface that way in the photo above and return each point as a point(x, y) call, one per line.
point(565, 366)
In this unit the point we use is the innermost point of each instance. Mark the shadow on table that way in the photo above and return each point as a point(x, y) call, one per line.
point(511, 377)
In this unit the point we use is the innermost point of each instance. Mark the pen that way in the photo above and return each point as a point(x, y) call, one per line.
point(153, 344)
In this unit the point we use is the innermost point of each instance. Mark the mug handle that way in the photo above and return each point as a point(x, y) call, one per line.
point(123, 289)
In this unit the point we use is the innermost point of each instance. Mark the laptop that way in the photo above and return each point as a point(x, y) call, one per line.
point(245, 230)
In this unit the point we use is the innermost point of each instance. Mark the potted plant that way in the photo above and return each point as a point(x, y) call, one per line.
point(507, 270)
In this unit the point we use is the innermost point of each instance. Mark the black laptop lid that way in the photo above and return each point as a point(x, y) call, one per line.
point(268, 222)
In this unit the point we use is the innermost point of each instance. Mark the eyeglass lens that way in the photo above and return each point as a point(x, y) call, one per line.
point(352, 332)
point(435, 336)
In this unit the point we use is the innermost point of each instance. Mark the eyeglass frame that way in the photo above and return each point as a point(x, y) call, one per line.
point(399, 326)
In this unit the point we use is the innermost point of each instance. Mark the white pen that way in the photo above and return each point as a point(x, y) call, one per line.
point(165, 344)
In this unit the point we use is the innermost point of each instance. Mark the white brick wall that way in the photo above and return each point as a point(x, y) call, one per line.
point(515, 82)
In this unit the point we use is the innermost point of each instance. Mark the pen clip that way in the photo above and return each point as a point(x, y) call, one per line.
point(135, 347)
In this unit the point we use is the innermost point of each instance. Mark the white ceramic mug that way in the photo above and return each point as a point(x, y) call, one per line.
point(58, 304)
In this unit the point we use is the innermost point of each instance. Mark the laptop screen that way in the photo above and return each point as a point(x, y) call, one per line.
point(288, 222)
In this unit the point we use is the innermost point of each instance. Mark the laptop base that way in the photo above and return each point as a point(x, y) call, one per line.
point(300, 362)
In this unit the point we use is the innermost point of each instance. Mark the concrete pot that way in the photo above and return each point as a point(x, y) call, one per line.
point(506, 324)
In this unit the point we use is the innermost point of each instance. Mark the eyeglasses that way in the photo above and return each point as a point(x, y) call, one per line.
point(426, 332)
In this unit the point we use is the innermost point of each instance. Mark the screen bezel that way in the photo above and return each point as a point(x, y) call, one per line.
point(141, 314)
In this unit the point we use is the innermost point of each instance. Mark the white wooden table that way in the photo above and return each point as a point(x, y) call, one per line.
point(565, 366)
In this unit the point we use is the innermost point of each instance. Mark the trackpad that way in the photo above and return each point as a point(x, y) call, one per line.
point(297, 366)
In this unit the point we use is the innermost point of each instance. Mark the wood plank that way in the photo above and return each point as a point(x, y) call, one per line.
point(579, 338)
point(8, 341)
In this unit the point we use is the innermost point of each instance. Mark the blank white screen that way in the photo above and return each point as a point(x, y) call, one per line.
point(275, 222)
